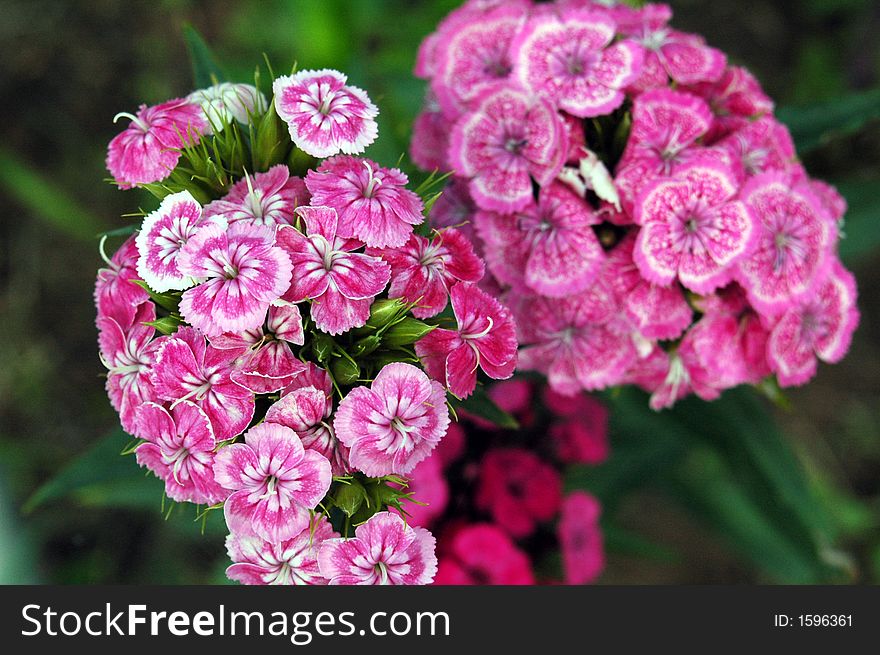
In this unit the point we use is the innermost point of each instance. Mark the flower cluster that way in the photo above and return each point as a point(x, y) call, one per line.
point(262, 328)
point(638, 205)
point(495, 499)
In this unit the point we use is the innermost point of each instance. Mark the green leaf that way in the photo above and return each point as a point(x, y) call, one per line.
point(814, 124)
point(100, 476)
point(206, 70)
point(480, 404)
point(45, 199)
point(169, 301)
point(861, 225)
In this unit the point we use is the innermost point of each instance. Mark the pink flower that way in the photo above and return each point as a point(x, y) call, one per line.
point(548, 247)
point(794, 237)
point(684, 57)
point(473, 55)
point(430, 140)
point(267, 362)
point(372, 202)
point(693, 228)
point(735, 98)
point(324, 115)
point(485, 338)
point(306, 410)
point(427, 486)
point(116, 294)
point(571, 341)
point(384, 551)
point(580, 538)
point(291, 562)
point(162, 236)
point(265, 199)
point(582, 437)
point(481, 554)
point(510, 138)
point(518, 489)
point(341, 284)
point(395, 423)
point(820, 326)
point(569, 59)
point(187, 368)
point(423, 270)
point(760, 146)
point(245, 272)
point(275, 483)
point(180, 451)
point(128, 353)
point(149, 148)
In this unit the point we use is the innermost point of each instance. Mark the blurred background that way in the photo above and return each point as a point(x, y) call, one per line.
point(71, 511)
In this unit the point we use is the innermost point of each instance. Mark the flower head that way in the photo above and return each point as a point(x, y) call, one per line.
point(116, 294)
point(373, 203)
point(384, 550)
point(274, 481)
point(268, 198)
point(244, 271)
point(580, 538)
point(394, 423)
point(325, 116)
point(340, 283)
point(483, 554)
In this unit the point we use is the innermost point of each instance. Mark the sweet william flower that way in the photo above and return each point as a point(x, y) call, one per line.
point(394, 423)
point(188, 368)
point(384, 551)
point(485, 338)
point(268, 198)
point(149, 148)
point(568, 58)
point(483, 554)
point(179, 449)
point(580, 538)
point(163, 234)
point(289, 562)
point(423, 270)
point(324, 114)
point(510, 138)
point(244, 271)
point(116, 294)
point(274, 481)
point(340, 283)
point(373, 203)
point(427, 484)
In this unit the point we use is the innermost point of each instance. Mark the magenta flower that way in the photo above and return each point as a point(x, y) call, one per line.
point(485, 338)
point(267, 362)
point(180, 451)
point(341, 284)
point(582, 435)
point(265, 199)
point(290, 562)
point(820, 326)
point(510, 138)
point(245, 272)
point(548, 247)
point(325, 116)
point(568, 58)
point(428, 486)
point(518, 489)
point(275, 483)
point(572, 342)
point(693, 229)
point(384, 551)
point(128, 352)
point(188, 368)
point(306, 410)
point(162, 236)
point(671, 54)
point(149, 148)
point(580, 538)
point(394, 423)
point(116, 294)
point(430, 140)
point(482, 554)
point(472, 55)
point(761, 146)
point(423, 271)
point(794, 240)
point(372, 202)
point(735, 98)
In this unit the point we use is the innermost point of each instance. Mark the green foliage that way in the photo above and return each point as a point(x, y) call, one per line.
point(480, 404)
point(815, 124)
point(206, 70)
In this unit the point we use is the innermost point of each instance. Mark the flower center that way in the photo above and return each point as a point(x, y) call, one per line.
point(655, 40)
point(515, 145)
point(381, 569)
point(134, 119)
point(373, 182)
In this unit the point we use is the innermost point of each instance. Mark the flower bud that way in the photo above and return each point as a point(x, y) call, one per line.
point(407, 331)
point(271, 140)
point(345, 371)
point(166, 325)
point(350, 497)
point(365, 346)
point(323, 346)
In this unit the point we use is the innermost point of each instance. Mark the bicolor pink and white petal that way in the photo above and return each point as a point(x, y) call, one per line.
point(268, 198)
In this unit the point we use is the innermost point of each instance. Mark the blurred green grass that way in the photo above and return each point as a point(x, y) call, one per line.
point(67, 67)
